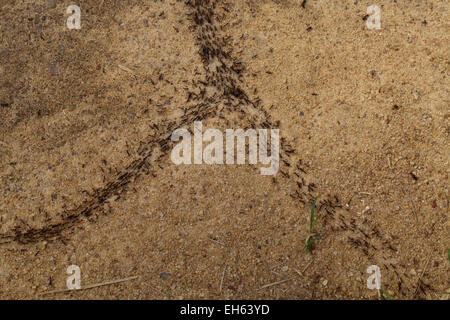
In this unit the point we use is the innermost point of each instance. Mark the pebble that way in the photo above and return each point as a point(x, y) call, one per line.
point(164, 275)
point(53, 69)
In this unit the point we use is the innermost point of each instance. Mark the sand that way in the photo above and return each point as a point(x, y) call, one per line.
point(86, 177)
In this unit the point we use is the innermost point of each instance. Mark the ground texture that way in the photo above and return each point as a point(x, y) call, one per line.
point(86, 177)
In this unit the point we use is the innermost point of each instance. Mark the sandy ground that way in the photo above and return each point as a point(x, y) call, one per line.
point(85, 171)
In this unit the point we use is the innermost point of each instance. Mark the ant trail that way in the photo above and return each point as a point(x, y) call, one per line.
point(220, 93)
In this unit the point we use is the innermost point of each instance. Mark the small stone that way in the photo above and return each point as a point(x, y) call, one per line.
point(325, 282)
point(434, 204)
point(285, 268)
point(54, 69)
point(164, 275)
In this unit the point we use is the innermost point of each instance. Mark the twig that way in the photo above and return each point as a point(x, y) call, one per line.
point(221, 280)
point(274, 284)
point(127, 70)
point(306, 267)
point(278, 274)
point(91, 286)
point(421, 275)
point(414, 211)
point(300, 273)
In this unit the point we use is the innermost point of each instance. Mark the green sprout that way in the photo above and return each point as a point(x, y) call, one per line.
point(309, 241)
point(385, 295)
